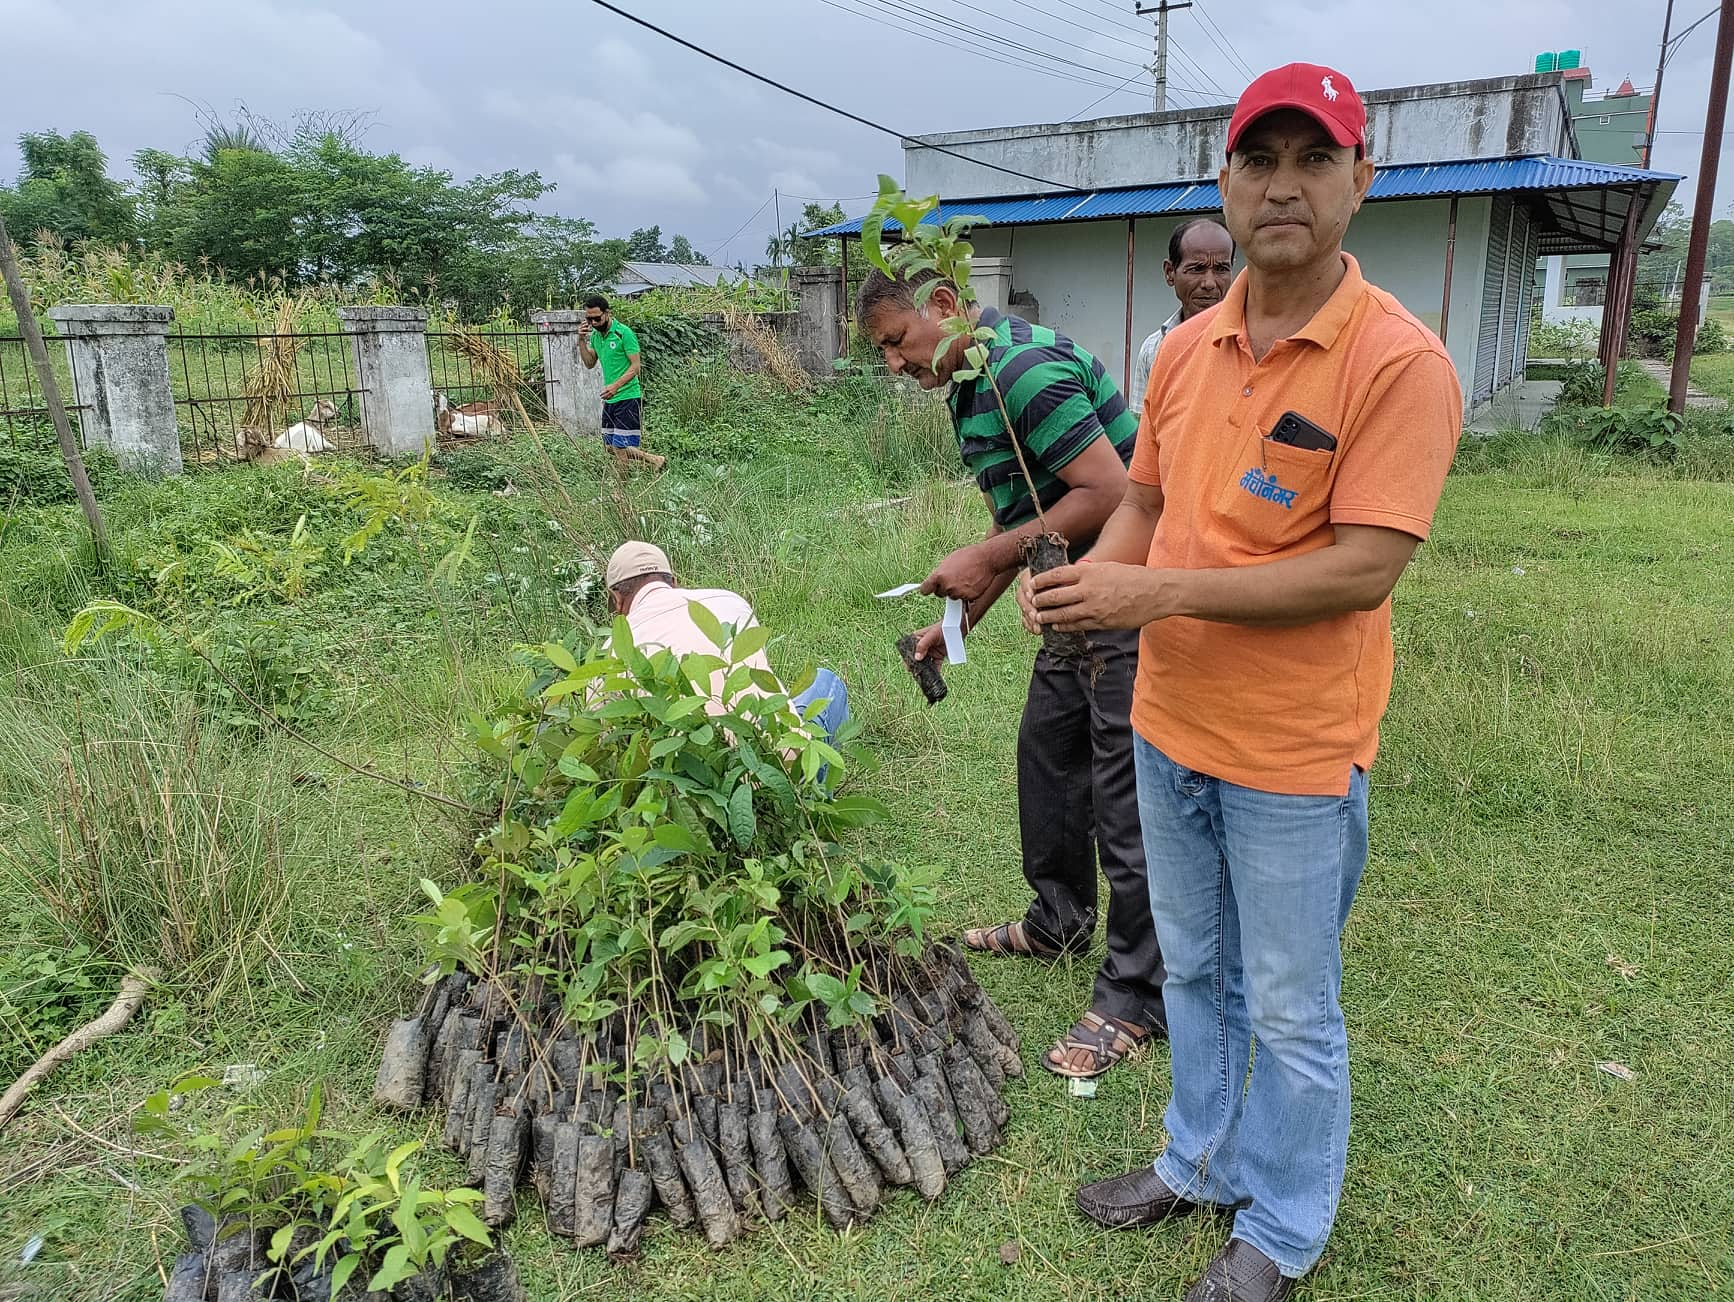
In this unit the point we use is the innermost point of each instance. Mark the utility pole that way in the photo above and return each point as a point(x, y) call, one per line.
point(1702, 213)
point(1656, 91)
point(1161, 9)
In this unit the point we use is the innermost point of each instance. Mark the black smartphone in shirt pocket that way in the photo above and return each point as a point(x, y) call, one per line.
point(1297, 431)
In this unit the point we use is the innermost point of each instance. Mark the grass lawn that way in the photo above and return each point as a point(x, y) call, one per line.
point(1549, 887)
point(1714, 373)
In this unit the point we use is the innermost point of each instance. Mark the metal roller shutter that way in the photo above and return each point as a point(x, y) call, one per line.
point(1492, 295)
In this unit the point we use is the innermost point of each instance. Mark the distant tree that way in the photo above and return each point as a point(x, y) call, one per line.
point(645, 245)
point(817, 253)
point(64, 187)
point(681, 251)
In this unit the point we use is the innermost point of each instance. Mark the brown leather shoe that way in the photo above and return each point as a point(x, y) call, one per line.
point(1241, 1273)
point(1139, 1197)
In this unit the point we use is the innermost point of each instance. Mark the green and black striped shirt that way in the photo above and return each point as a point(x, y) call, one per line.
point(1060, 400)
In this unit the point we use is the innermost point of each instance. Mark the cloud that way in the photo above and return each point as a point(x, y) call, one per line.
point(796, 183)
point(782, 155)
point(595, 126)
point(650, 179)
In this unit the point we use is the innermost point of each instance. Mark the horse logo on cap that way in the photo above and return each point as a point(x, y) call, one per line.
point(1331, 91)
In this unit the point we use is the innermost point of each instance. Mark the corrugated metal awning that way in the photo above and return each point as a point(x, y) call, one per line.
point(1584, 203)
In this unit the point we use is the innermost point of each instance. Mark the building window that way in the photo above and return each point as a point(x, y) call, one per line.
point(1587, 293)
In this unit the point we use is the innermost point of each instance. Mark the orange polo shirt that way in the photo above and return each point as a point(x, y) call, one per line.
point(1287, 710)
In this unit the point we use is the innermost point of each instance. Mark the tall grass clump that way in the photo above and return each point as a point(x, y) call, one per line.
point(147, 835)
point(906, 436)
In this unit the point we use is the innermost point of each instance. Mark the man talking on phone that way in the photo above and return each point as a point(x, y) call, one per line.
point(612, 343)
point(1294, 444)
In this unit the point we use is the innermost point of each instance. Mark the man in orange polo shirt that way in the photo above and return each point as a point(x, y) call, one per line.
point(1294, 443)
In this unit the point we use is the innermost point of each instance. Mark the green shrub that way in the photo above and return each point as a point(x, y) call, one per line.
point(32, 472)
point(1567, 339)
point(1582, 384)
point(1637, 431)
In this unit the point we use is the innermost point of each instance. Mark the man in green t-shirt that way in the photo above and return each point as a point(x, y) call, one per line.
point(602, 338)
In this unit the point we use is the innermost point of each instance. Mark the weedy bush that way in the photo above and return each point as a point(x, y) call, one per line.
point(698, 392)
point(1568, 339)
point(1582, 384)
point(1637, 431)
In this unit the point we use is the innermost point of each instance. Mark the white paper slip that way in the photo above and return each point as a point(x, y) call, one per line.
point(953, 627)
point(901, 590)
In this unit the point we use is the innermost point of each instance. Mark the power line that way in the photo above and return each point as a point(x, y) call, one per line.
point(748, 222)
point(1092, 104)
point(1067, 18)
point(829, 108)
point(1230, 52)
point(1197, 69)
point(946, 36)
point(904, 10)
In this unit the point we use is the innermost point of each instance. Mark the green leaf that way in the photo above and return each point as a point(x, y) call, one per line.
point(341, 1272)
point(280, 1242)
point(941, 350)
point(560, 657)
point(708, 624)
point(466, 1223)
point(678, 1048)
point(749, 642)
point(743, 826)
point(393, 1270)
point(925, 291)
point(672, 836)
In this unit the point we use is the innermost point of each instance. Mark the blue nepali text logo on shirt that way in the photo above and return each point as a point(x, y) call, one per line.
point(1264, 486)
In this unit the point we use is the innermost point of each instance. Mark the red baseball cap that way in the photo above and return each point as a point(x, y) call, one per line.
point(1323, 94)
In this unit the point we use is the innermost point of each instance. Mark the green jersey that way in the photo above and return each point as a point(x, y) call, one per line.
point(616, 347)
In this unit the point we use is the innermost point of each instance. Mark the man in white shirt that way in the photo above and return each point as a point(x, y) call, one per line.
point(1199, 268)
point(641, 587)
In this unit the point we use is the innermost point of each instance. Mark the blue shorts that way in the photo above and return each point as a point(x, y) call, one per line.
point(620, 423)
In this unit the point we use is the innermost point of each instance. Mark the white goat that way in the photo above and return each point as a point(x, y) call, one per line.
point(469, 421)
point(308, 435)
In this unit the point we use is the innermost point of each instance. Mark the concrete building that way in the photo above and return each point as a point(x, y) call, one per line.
point(1477, 179)
point(1611, 127)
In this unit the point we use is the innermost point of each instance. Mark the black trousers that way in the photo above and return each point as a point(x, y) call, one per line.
point(1077, 802)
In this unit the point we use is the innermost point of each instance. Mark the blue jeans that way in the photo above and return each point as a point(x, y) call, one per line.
point(830, 688)
point(1250, 891)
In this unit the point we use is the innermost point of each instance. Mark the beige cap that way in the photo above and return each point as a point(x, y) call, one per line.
point(632, 559)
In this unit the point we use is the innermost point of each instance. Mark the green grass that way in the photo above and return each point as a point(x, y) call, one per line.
point(1548, 889)
point(1714, 373)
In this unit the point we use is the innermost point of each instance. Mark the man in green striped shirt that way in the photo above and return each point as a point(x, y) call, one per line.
point(1077, 797)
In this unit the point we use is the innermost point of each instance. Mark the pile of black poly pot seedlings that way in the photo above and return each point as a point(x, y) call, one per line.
point(279, 1214)
point(234, 1264)
point(724, 1137)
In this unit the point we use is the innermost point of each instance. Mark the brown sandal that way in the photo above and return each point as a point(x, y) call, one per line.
point(1009, 939)
point(1107, 1041)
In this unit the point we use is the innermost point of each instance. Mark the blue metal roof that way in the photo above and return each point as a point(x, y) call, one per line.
point(1538, 173)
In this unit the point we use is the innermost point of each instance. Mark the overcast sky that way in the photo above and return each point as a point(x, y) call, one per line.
point(636, 131)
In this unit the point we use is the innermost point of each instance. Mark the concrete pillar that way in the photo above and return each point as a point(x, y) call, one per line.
point(397, 412)
point(819, 330)
point(120, 364)
point(992, 281)
point(574, 390)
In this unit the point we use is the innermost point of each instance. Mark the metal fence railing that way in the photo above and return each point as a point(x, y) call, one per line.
point(229, 383)
point(478, 365)
point(24, 418)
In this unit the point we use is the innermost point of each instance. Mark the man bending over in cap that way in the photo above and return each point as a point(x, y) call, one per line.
point(1294, 444)
point(641, 587)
